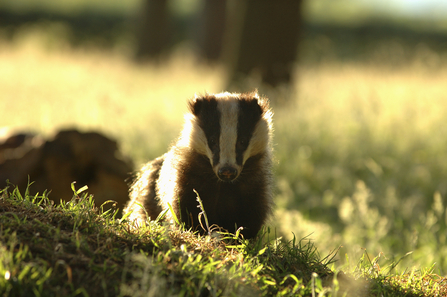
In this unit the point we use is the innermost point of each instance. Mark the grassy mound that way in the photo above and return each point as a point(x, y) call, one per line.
point(75, 249)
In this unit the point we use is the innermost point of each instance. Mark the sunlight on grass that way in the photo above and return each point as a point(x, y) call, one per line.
point(67, 249)
point(50, 89)
point(360, 150)
point(362, 156)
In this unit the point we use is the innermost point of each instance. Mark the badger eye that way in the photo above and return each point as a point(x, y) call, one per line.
point(242, 141)
point(212, 141)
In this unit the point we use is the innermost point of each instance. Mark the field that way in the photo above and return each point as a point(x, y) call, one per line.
point(360, 148)
point(361, 161)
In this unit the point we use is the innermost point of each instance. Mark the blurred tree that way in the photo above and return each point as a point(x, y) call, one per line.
point(261, 36)
point(212, 29)
point(153, 35)
point(267, 40)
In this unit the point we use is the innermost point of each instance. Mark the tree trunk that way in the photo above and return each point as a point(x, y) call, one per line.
point(153, 32)
point(268, 40)
point(212, 29)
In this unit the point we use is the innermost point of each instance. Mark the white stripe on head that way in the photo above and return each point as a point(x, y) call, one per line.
point(192, 136)
point(259, 141)
point(229, 110)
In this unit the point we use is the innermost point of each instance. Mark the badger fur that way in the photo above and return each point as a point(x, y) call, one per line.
point(224, 153)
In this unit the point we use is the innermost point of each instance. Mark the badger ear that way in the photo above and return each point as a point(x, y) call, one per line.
point(257, 105)
point(263, 104)
point(199, 104)
point(195, 105)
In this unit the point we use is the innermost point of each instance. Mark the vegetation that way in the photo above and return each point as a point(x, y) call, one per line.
point(360, 165)
point(75, 249)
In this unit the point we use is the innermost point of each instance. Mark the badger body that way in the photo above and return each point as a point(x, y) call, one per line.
point(224, 153)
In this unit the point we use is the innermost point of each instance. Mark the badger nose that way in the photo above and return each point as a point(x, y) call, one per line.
point(227, 173)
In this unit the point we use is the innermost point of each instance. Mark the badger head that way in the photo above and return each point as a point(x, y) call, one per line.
point(229, 129)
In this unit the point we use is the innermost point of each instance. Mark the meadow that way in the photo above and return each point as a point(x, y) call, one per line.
point(360, 158)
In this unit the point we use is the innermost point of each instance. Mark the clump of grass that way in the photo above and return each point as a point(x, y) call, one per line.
point(382, 282)
point(61, 250)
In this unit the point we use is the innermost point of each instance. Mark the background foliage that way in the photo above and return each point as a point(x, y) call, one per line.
point(360, 145)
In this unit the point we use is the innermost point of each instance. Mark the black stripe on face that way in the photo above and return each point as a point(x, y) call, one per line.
point(249, 114)
point(205, 109)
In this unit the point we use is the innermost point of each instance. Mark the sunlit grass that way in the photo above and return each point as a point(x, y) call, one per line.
point(364, 154)
point(73, 248)
point(47, 89)
point(360, 151)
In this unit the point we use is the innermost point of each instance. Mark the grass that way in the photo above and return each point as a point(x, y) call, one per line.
point(364, 161)
point(91, 90)
point(360, 163)
point(75, 249)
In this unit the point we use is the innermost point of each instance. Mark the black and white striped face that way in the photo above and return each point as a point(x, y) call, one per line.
point(228, 129)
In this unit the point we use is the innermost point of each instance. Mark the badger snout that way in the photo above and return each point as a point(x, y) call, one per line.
point(227, 173)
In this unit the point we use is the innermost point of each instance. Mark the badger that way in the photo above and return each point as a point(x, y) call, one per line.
point(224, 156)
